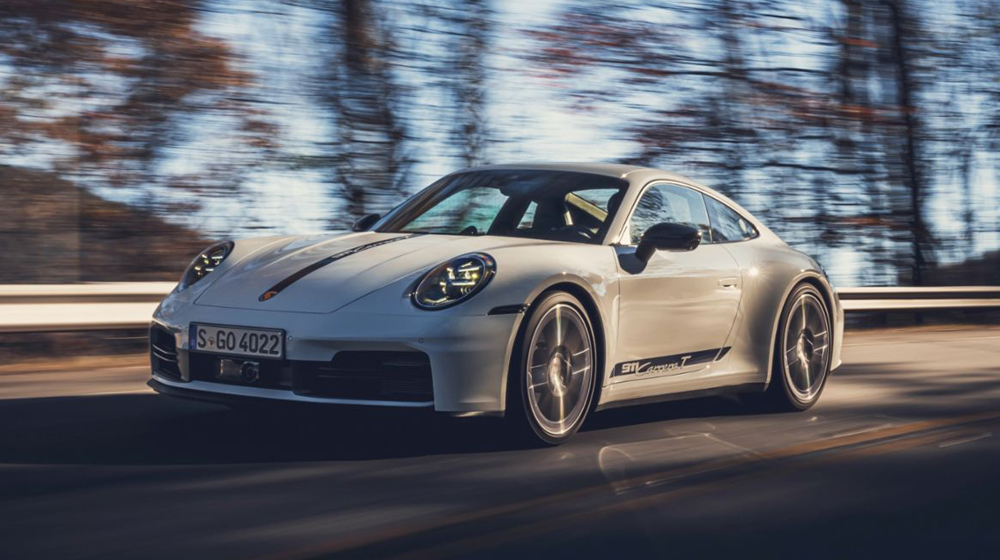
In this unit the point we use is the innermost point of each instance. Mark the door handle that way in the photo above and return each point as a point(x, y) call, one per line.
point(728, 282)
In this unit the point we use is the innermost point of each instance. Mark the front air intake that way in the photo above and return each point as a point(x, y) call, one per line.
point(368, 375)
point(163, 353)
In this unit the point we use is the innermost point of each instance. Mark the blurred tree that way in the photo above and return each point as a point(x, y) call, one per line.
point(472, 20)
point(905, 30)
point(828, 117)
point(705, 94)
point(100, 91)
point(52, 231)
point(854, 129)
point(377, 89)
point(858, 130)
point(368, 157)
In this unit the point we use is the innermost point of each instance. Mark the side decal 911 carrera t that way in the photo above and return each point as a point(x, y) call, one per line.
point(668, 363)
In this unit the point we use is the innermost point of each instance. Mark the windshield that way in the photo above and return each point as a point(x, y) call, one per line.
point(540, 204)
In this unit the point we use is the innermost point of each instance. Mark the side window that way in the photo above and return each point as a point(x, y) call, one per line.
point(727, 225)
point(669, 203)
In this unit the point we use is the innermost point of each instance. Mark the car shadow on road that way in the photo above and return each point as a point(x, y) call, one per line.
point(148, 429)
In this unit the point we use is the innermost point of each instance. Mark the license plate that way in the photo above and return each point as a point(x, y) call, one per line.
point(237, 341)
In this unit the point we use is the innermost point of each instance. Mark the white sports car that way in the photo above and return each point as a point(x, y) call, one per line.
point(536, 292)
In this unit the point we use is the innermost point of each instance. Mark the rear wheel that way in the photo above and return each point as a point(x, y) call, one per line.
point(551, 393)
point(801, 353)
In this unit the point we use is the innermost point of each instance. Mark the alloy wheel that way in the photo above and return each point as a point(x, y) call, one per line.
point(806, 347)
point(560, 370)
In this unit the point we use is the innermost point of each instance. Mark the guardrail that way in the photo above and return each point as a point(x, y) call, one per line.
point(112, 306)
point(918, 299)
point(79, 307)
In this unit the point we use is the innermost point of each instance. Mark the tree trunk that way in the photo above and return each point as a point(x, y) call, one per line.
point(906, 86)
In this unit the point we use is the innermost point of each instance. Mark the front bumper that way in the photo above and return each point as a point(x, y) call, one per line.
point(468, 354)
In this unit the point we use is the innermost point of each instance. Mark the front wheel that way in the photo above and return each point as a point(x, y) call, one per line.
point(551, 389)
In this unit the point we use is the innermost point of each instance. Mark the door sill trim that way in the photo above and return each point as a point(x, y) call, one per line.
point(685, 395)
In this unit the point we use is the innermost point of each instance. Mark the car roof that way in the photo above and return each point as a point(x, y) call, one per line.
point(618, 170)
point(636, 175)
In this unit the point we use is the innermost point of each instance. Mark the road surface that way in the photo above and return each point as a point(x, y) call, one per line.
point(899, 458)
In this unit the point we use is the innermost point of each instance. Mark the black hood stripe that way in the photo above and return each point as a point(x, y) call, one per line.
point(277, 288)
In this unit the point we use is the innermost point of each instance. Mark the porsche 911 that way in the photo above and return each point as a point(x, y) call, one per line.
point(538, 293)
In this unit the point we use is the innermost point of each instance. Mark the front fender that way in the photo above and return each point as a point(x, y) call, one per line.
point(523, 274)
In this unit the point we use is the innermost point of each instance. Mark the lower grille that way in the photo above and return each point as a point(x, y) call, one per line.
point(367, 375)
point(355, 375)
point(163, 352)
point(270, 374)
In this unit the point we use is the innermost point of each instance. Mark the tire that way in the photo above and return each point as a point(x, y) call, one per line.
point(801, 352)
point(554, 371)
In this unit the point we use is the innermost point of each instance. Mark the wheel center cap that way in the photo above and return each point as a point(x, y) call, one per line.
point(804, 347)
point(558, 374)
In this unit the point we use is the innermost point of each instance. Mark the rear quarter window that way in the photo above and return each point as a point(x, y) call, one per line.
point(727, 224)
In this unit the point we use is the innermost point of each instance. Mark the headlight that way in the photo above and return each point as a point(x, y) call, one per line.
point(454, 281)
point(205, 264)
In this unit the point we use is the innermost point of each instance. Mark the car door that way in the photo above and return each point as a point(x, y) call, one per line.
point(676, 310)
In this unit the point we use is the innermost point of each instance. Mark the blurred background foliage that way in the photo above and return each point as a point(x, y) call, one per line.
point(134, 131)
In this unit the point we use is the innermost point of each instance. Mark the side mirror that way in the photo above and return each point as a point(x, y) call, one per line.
point(366, 222)
point(667, 237)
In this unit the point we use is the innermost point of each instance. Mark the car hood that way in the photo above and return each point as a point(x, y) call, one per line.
point(322, 274)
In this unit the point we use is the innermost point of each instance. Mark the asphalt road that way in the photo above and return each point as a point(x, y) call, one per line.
point(899, 457)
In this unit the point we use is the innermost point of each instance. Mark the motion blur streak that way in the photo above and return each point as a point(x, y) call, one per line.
point(864, 131)
point(873, 442)
point(897, 443)
point(635, 506)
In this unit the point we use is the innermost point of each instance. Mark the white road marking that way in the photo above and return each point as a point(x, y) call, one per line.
point(970, 439)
